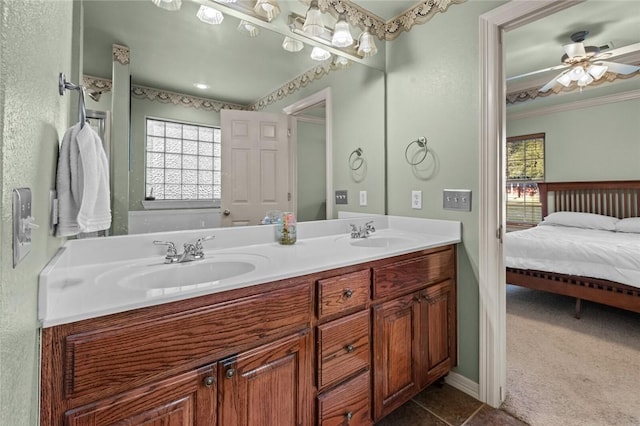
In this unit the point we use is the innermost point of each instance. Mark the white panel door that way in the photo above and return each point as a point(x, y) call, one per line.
point(255, 166)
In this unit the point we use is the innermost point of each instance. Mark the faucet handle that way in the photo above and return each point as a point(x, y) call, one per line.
point(172, 252)
point(369, 226)
point(199, 242)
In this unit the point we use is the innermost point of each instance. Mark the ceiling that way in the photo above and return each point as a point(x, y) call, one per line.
point(538, 45)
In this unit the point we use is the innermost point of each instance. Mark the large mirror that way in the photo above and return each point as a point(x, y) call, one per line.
point(170, 52)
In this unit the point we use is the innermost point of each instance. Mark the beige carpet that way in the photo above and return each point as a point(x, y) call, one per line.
point(564, 371)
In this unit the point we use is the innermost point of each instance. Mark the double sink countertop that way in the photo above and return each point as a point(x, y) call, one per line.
point(92, 277)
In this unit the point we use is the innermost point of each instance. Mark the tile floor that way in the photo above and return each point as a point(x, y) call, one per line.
point(447, 406)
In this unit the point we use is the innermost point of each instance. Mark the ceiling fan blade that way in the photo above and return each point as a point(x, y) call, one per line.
point(619, 51)
point(553, 82)
point(619, 68)
point(557, 67)
point(574, 49)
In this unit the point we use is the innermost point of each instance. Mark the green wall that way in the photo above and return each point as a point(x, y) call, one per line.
point(311, 159)
point(35, 45)
point(595, 143)
point(432, 91)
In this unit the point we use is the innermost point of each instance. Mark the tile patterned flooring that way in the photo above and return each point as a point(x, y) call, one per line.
point(447, 406)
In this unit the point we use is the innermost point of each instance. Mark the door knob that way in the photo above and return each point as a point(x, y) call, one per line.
point(226, 212)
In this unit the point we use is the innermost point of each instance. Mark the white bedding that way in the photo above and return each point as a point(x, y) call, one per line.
point(608, 255)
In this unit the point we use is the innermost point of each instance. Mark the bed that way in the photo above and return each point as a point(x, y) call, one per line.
point(615, 281)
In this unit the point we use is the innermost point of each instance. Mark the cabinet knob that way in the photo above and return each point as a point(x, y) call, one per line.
point(230, 373)
point(208, 381)
point(349, 348)
point(349, 415)
point(348, 293)
point(426, 298)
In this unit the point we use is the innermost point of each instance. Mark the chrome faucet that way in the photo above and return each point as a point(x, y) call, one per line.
point(191, 251)
point(363, 231)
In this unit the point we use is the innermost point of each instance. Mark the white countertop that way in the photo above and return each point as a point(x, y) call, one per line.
point(93, 277)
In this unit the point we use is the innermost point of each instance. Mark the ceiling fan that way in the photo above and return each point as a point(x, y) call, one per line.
point(584, 64)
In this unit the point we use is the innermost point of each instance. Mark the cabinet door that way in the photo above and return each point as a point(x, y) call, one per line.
point(270, 385)
point(396, 329)
point(438, 336)
point(184, 400)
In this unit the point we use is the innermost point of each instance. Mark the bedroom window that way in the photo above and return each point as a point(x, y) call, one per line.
point(182, 162)
point(525, 168)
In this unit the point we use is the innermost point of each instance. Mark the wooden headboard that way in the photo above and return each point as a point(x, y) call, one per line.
point(616, 198)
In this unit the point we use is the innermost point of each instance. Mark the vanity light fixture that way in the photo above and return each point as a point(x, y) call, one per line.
point(341, 62)
point(171, 5)
point(267, 8)
point(366, 45)
point(313, 24)
point(341, 34)
point(248, 28)
point(210, 15)
point(319, 54)
point(292, 45)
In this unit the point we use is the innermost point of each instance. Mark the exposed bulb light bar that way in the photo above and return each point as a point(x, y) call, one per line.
point(319, 54)
point(267, 8)
point(248, 28)
point(366, 45)
point(171, 5)
point(341, 35)
point(341, 62)
point(209, 15)
point(313, 25)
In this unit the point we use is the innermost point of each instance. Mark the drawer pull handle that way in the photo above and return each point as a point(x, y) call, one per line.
point(348, 293)
point(349, 348)
point(349, 415)
point(230, 373)
point(208, 381)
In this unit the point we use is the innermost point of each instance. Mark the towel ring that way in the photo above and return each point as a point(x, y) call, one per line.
point(422, 144)
point(352, 161)
point(63, 86)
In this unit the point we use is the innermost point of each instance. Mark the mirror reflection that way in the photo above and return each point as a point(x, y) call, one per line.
point(186, 76)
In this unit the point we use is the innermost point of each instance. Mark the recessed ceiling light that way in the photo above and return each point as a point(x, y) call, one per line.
point(201, 86)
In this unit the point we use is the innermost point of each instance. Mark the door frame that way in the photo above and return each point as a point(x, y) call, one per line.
point(323, 95)
point(492, 127)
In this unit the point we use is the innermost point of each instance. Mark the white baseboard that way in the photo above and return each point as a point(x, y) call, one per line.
point(463, 384)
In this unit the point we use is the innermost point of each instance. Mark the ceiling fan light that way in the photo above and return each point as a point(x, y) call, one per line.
point(267, 8)
point(292, 45)
point(576, 73)
point(565, 79)
point(319, 54)
point(585, 80)
point(341, 34)
point(574, 50)
point(209, 15)
point(313, 24)
point(247, 28)
point(597, 71)
point(366, 45)
point(171, 5)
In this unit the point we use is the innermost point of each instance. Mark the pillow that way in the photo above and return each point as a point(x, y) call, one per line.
point(630, 224)
point(582, 220)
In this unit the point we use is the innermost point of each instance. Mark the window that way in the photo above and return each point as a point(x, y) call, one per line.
point(182, 161)
point(525, 168)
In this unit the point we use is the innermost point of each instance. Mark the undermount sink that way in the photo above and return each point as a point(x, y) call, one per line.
point(379, 242)
point(177, 277)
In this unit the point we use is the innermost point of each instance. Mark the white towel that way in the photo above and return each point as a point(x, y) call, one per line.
point(82, 183)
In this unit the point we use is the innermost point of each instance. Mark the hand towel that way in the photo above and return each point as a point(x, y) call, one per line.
point(82, 183)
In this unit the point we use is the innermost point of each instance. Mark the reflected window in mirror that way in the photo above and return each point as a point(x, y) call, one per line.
point(182, 161)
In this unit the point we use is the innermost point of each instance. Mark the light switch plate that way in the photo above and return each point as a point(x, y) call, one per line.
point(21, 220)
point(341, 196)
point(457, 199)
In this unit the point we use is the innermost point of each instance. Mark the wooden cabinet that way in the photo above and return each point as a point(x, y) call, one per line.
point(414, 334)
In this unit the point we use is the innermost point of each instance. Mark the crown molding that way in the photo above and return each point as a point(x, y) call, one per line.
point(417, 15)
point(602, 100)
point(97, 83)
point(120, 54)
point(167, 97)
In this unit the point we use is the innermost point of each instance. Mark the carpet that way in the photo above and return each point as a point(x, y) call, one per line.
point(565, 371)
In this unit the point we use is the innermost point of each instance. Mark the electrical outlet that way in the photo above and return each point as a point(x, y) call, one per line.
point(416, 199)
point(363, 198)
point(341, 196)
point(457, 199)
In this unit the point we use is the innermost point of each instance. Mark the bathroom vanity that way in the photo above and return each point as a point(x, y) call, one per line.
point(324, 345)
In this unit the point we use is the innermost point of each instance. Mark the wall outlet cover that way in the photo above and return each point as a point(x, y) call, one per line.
point(363, 198)
point(416, 199)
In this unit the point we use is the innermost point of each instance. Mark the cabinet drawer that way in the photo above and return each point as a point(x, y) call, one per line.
point(348, 404)
point(343, 293)
point(113, 359)
point(409, 275)
point(343, 348)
